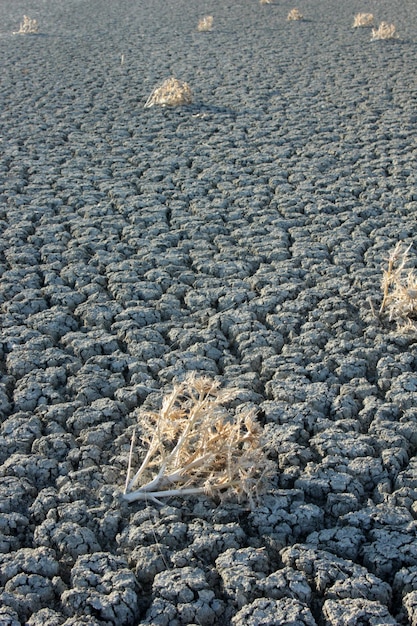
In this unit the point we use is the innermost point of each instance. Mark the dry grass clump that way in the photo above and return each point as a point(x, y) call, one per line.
point(384, 31)
point(265, 1)
point(363, 19)
point(28, 27)
point(295, 14)
point(197, 446)
point(399, 286)
point(172, 92)
point(205, 24)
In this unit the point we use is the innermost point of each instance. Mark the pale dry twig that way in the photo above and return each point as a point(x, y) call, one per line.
point(172, 92)
point(28, 26)
point(205, 24)
point(363, 19)
point(294, 15)
point(197, 446)
point(384, 31)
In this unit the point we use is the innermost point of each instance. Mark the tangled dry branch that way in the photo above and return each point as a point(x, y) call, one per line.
point(399, 286)
point(196, 445)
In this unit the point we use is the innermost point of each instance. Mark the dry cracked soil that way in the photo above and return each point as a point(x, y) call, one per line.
point(242, 237)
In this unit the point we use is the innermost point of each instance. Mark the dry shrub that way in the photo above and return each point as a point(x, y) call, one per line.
point(172, 92)
point(28, 26)
point(363, 19)
point(399, 286)
point(265, 1)
point(205, 24)
point(384, 31)
point(197, 446)
point(294, 14)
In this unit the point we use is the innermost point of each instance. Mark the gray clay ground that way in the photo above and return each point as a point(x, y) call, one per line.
point(242, 237)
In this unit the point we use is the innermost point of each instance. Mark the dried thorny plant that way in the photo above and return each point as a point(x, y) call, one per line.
point(295, 14)
point(195, 445)
point(363, 19)
point(399, 286)
point(384, 31)
point(172, 92)
point(205, 24)
point(28, 26)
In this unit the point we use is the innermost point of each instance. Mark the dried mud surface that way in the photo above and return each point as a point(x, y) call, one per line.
point(242, 237)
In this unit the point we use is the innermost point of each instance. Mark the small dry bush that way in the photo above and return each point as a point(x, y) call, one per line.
point(28, 26)
point(205, 24)
point(265, 1)
point(399, 286)
point(197, 446)
point(363, 19)
point(172, 92)
point(384, 31)
point(294, 14)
